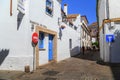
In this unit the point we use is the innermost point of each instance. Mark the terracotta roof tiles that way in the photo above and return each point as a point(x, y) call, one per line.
point(72, 16)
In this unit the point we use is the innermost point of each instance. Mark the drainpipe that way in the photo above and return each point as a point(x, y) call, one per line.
point(109, 24)
point(107, 9)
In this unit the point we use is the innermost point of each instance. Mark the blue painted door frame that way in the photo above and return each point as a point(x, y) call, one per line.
point(50, 47)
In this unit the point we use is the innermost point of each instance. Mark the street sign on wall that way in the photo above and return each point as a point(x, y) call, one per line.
point(110, 38)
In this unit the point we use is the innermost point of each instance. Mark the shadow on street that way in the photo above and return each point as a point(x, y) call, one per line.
point(95, 56)
point(89, 55)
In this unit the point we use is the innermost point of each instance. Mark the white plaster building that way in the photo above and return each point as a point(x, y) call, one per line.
point(73, 22)
point(18, 21)
point(109, 25)
point(94, 31)
point(85, 33)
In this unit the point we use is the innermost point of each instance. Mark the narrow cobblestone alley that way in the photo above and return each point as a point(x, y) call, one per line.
point(81, 67)
point(60, 40)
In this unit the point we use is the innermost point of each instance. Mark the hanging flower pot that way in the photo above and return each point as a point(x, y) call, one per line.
point(62, 26)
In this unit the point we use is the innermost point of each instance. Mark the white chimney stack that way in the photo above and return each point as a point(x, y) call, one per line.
point(66, 9)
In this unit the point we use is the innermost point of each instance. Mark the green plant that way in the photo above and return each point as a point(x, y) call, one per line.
point(96, 44)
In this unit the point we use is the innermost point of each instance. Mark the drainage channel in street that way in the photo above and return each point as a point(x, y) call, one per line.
point(5, 79)
point(49, 78)
point(51, 73)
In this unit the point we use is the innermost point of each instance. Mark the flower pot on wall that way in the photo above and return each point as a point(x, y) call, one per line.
point(62, 27)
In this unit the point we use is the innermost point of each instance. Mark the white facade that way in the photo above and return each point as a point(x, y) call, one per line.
point(74, 35)
point(109, 10)
point(85, 36)
point(16, 50)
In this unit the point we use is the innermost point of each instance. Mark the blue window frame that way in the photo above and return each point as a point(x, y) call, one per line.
point(49, 7)
point(41, 40)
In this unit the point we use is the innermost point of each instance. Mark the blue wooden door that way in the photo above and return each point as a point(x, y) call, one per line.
point(50, 48)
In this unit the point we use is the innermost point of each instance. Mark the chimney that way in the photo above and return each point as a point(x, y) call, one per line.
point(66, 9)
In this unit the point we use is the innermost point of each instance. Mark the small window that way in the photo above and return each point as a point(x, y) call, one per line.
point(70, 43)
point(70, 24)
point(75, 27)
point(73, 19)
point(49, 7)
point(41, 40)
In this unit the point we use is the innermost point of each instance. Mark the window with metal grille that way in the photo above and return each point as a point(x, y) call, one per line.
point(49, 7)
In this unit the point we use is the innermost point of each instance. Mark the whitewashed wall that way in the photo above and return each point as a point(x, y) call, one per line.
point(15, 43)
point(114, 6)
point(109, 53)
point(16, 50)
point(51, 23)
point(112, 50)
point(85, 37)
point(77, 23)
point(63, 44)
point(115, 47)
point(102, 16)
point(38, 15)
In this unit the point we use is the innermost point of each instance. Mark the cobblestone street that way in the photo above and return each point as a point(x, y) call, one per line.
point(81, 67)
point(60, 40)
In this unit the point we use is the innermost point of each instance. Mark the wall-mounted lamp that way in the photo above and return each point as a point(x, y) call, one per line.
point(62, 26)
point(32, 27)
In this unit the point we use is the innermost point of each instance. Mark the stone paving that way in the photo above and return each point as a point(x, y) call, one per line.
point(81, 67)
point(10, 75)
